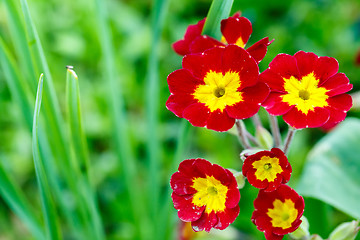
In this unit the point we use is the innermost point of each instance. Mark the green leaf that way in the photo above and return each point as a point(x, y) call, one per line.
point(48, 207)
point(332, 170)
point(14, 197)
point(220, 9)
point(81, 155)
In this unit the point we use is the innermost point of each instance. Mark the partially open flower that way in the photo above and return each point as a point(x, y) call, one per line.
point(278, 212)
point(182, 47)
point(307, 90)
point(236, 30)
point(267, 169)
point(216, 87)
point(205, 194)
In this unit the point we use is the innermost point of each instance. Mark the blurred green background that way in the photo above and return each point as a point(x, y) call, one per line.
point(142, 32)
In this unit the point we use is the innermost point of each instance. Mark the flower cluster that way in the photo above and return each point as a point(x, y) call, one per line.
point(219, 84)
point(278, 208)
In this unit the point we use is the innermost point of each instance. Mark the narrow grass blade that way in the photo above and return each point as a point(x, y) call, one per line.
point(11, 193)
point(152, 106)
point(48, 207)
point(54, 120)
point(219, 10)
point(74, 120)
point(16, 84)
point(54, 128)
point(80, 153)
point(21, 94)
point(21, 47)
point(119, 120)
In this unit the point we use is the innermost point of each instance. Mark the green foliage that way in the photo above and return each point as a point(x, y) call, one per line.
point(332, 170)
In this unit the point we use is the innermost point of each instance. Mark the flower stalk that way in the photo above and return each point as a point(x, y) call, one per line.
point(289, 138)
point(242, 134)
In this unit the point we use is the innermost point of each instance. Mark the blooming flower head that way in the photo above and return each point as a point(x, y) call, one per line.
point(205, 194)
point(278, 212)
point(307, 90)
point(267, 169)
point(235, 30)
point(216, 87)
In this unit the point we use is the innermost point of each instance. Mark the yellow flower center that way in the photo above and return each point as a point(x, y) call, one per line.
point(210, 193)
point(305, 94)
point(219, 90)
point(283, 214)
point(238, 42)
point(267, 168)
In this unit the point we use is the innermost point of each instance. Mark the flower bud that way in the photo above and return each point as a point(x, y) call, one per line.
point(264, 137)
point(303, 230)
point(345, 231)
point(240, 178)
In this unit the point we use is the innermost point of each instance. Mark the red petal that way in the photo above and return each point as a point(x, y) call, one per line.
point(220, 121)
point(203, 42)
point(233, 194)
point(273, 80)
point(252, 99)
point(204, 167)
point(339, 105)
point(243, 110)
point(271, 236)
point(237, 59)
point(205, 222)
point(259, 49)
point(187, 211)
point(285, 65)
point(325, 68)
point(181, 47)
point(226, 217)
point(306, 62)
point(181, 184)
point(312, 119)
point(200, 64)
point(223, 175)
point(197, 114)
point(275, 106)
point(234, 28)
point(340, 102)
point(337, 84)
point(254, 181)
point(182, 81)
point(177, 103)
point(275, 184)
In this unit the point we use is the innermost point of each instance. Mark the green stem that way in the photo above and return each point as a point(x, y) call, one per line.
point(275, 130)
point(242, 134)
point(289, 138)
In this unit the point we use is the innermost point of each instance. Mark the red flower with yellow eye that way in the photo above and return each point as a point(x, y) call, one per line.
point(216, 87)
point(278, 212)
point(267, 169)
point(205, 194)
point(307, 90)
point(235, 30)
